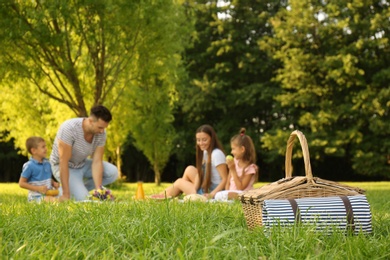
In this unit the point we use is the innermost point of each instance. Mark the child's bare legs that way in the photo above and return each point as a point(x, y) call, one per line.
point(188, 184)
point(226, 195)
point(233, 195)
point(50, 199)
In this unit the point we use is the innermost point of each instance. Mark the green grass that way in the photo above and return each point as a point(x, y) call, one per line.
point(129, 229)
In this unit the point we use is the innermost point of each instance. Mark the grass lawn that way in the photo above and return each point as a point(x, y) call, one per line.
point(129, 229)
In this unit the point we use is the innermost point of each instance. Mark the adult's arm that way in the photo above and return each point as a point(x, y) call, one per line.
point(222, 170)
point(97, 166)
point(65, 153)
point(227, 185)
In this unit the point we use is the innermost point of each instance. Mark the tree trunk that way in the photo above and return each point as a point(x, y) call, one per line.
point(119, 161)
point(157, 175)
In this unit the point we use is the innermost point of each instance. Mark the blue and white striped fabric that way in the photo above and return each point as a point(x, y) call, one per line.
point(325, 213)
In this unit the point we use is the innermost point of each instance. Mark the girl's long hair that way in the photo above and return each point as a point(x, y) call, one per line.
point(214, 143)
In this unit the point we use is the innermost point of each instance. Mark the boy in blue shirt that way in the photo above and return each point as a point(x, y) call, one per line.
point(36, 174)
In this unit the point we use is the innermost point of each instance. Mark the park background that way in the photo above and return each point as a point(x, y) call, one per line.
point(166, 67)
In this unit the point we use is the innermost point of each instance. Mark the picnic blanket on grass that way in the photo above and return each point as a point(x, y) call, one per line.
point(341, 212)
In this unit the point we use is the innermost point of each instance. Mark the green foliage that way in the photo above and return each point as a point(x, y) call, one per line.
point(171, 230)
point(148, 115)
point(270, 66)
point(335, 79)
point(71, 55)
point(229, 75)
point(151, 125)
point(25, 115)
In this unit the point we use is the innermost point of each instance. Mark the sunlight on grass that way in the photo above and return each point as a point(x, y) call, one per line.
point(131, 229)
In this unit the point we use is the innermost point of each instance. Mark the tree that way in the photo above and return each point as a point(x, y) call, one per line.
point(229, 75)
point(152, 128)
point(71, 55)
point(152, 103)
point(335, 76)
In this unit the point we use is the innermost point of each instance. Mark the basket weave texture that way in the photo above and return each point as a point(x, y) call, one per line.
point(292, 187)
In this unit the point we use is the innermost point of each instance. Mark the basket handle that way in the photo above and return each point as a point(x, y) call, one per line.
point(306, 155)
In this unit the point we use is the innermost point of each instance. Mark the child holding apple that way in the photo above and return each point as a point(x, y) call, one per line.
point(243, 170)
point(36, 174)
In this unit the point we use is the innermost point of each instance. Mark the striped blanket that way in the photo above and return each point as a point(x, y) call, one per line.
point(326, 213)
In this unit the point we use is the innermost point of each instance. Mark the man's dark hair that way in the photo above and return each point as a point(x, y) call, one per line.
point(101, 112)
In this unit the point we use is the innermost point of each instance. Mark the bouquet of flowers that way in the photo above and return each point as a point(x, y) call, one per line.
point(102, 194)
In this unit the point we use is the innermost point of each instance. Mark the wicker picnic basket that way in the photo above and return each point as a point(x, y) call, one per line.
point(292, 187)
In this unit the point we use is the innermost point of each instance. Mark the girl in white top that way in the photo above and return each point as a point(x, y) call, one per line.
point(242, 168)
point(210, 173)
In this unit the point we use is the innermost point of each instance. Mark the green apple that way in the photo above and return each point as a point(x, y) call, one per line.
point(229, 158)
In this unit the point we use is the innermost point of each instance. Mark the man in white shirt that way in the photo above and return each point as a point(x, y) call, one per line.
point(77, 155)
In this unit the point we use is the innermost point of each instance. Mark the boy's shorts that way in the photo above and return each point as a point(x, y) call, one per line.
point(37, 198)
